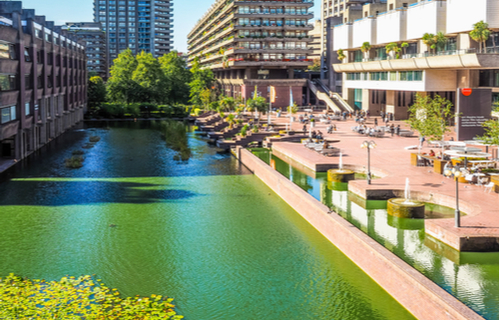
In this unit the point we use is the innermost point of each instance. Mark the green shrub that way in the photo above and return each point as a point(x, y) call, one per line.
point(244, 130)
point(133, 110)
point(111, 110)
point(196, 112)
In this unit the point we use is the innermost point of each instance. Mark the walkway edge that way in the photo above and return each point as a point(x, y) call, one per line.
point(419, 295)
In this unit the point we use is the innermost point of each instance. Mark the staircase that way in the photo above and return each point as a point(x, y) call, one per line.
point(324, 94)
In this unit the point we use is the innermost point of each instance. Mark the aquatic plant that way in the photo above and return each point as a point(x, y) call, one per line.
point(176, 138)
point(94, 139)
point(74, 162)
point(78, 152)
point(76, 298)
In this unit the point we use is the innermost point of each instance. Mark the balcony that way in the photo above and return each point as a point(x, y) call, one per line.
point(455, 59)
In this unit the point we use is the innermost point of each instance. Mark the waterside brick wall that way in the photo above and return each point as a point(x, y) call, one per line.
point(422, 297)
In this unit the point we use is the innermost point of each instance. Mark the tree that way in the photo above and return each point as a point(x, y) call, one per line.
point(480, 33)
point(258, 104)
point(392, 48)
point(96, 92)
point(121, 86)
point(365, 48)
point(429, 39)
point(177, 76)
point(205, 98)
point(227, 103)
point(404, 45)
point(316, 67)
point(440, 40)
point(150, 79)
point(429, 116)
point(490, 136)
point(201, 80)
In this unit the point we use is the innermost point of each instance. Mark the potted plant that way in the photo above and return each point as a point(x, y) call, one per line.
point(341, 55)
point(313, 122)
point(365, 48)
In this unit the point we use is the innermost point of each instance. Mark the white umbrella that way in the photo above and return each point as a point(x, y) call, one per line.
point(467, 154)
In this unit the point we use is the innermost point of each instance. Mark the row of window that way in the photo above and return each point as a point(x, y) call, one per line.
point(113, 2)
point(8, 82)
point(384, 76)
point(264, 33)
point(272, 10)
point(274, 45)
point(8, 51)
point(271, 22)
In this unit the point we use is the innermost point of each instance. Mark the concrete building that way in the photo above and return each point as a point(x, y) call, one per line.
point(144, 25)
point(93, 36)
point(315, 44)
point(252, 44)
point(378, 81)
point(43, 81)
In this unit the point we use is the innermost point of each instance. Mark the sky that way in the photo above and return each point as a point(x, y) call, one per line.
point(186, 14)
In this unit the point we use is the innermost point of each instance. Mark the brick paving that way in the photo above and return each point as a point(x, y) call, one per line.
point(391, 162)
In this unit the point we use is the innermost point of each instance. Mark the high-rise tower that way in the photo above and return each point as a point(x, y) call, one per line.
point(144, 25)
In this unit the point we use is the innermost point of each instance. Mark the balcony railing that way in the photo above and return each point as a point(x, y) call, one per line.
point(488, 50)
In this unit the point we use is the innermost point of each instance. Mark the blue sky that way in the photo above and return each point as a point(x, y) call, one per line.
point(186, 13)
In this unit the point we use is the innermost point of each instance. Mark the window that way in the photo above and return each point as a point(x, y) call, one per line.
point(40, 82)
point(8, 114)
point(27, 108)
point(8, 82)
point(417, 75)
point(27, 82)
point(27, 56)
point(38, 33)
point(7, 51)
point(394, 76)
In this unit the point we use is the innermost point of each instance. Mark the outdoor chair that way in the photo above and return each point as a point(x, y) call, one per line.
point(489, 186)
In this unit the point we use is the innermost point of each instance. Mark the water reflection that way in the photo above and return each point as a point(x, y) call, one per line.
point(202, 231)
point(471, 277)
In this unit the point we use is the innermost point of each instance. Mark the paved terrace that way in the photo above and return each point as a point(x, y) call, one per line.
point(391, 162)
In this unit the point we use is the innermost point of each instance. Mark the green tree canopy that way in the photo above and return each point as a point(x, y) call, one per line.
point(96, 92)
point(480, 33)
point(490, 132)
point(430, 116)
point(149, 77)
point(177, 75)
point(201, 80)
point(121, 86)
point(227, 103)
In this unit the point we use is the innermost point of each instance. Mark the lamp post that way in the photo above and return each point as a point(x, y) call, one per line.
point(456, 173)
point(369, 145)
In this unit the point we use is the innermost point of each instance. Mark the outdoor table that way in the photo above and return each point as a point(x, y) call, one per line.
point(437, 163)
point(487, 163)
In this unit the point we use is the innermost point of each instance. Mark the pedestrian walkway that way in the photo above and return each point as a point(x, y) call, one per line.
point(391, 162)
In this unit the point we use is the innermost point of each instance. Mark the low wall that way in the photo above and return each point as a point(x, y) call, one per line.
point(422, 297)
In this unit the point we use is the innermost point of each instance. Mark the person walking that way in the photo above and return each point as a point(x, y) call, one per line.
point(304, 129)
point(398, 130)
point(392, 130)
point(376, 122)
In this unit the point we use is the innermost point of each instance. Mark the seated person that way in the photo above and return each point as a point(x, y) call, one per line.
point(326, 145)
point(330, 129)
point(432, 153)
